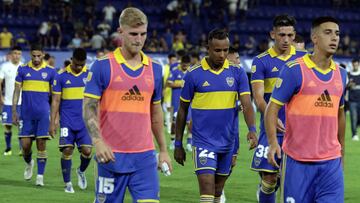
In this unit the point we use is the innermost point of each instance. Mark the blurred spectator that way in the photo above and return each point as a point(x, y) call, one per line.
point(24, 8)
point(354, 98)
point(6, 39)
point(178, 43)
point(250, 45)
point(195, 58)
point(195, 7)
point(7, 8)
point(76, 41)
point(35, 7)
point(232, 6)
point(100, 53)
point(22, 41)
point(299, 42)
point(109, 11)
point(243, 7)
point(263, 46)
point(115, 39)
point(49, 59)
point(66, 11)
point(90, 9)
point(55, 35)
point(43, 33)
point(168, 37)
point(236, 42)
point(104, 29)
point(97, 41)
point(78, 25)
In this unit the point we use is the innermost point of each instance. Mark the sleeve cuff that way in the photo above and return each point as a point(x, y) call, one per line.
point(342, 106)
point(56, 92)
point(19, 83)
point(276, 101)
point(184, 100)
point(244, 93)
point(255, 81)
point(92, 96)
point(156, 102)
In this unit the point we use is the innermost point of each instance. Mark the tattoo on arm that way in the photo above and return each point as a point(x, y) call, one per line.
point(90, 114)
point(16, 96)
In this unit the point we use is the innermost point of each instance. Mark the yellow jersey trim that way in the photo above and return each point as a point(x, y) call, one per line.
point(91, 96)
point(120, 59)
point(19, 83)
point(310, 64)
point(36, 86)
point(206, 66)
point(42, 65)
point(72, 93)
point(184, 100)
point(244, 93)
point(157, 102)
point(56, 92)
point(147, 200)
point(276, 101)
point(274, 54)
point(342, 106)
point(214, 100)
point(203, 168)
point(69, 70)
point(255, 81)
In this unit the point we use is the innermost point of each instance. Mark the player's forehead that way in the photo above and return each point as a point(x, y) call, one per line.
point(136, 29)
point(16, 52)
point(329, 26)
point(220, 43)
point(36, 53)
point(284, 29)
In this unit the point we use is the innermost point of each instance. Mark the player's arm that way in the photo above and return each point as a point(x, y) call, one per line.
point(271, 116)
point(257, 84)
point(15, 101)
point(1, 92)
point(174, 84)
point(55, 104)
point(341, 131)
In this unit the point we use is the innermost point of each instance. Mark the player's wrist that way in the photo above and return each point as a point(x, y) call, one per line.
point(252, 128)
point(178, 144)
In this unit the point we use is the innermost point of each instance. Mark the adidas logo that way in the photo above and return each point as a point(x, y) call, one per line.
point(68, 82)
point(324, 100)
point(28, 75)
point(311, 84)
point(206, 84)
point(275, 69)
point(133, 94)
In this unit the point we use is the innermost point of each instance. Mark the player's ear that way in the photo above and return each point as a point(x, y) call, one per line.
point(272, 34)
point(119, 30)
point(313, 36)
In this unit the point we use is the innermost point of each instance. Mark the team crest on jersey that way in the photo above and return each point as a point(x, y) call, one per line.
point(44, 75)
point(230, 81)
point(203, 160)
point(257, 161)
point(101, 198)
point(278, 83)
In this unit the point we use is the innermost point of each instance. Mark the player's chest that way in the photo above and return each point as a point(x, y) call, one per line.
point(10, 72)
point(43, 75)
point(222, 82)
point(72, 81)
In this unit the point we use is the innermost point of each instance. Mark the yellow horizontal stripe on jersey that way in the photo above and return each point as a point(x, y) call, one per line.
point(269, 84)
point(93, 96)
point(35, 86)
point(214, 100)
point(71, 93)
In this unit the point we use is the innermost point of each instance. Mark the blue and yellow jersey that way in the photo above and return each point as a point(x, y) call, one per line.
point(265, 69)
point(167, 90)
point(290, 79)
point(36, 87)
point(176, 77)
point(71, 88)
point(213, 96)
point(99, 77)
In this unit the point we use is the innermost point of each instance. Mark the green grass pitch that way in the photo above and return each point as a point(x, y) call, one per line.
point(180, 187)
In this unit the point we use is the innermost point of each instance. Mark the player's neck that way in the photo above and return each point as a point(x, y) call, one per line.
point(15, 64)
point(212, 65)
point(281, 52)
point(322, 61)
point(131, 59)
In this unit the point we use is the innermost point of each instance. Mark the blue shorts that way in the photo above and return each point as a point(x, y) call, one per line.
point(69, 137)
point(143, 183)
point(35, 128)
point(209, 162)
point(307, 182)
point(260, 162)
point(7, 114)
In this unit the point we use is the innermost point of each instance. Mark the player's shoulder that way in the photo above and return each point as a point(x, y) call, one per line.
point(262, 55)
point(194, 67)
point(292, 64)
point(300, 53)
point(343, 71)
point(233, 65)
point(102, 58)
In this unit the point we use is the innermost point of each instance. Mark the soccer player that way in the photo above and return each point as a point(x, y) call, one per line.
point(122, 129)
point(265, 69)
point(8, 73)
point(212, 87)
point(34, 80)
point(167, 92)
point(354, 97)
point(299, 43)
point(68, 95)
point(175, 82)
point(312, 88)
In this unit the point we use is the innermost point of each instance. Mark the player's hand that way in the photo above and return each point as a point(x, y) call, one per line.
point(52, 130)
point(180, 155)
point(233, 161)
point(274, 150)
point(280, 126)
point(15, 118)
point(104, 153)
point(252, 140)
point(164, 157)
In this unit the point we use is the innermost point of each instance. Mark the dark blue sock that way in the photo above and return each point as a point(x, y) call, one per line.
point(41, 162)
point(84, 162)
point(267, 198)
point(66, 169)
point(8, 140)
